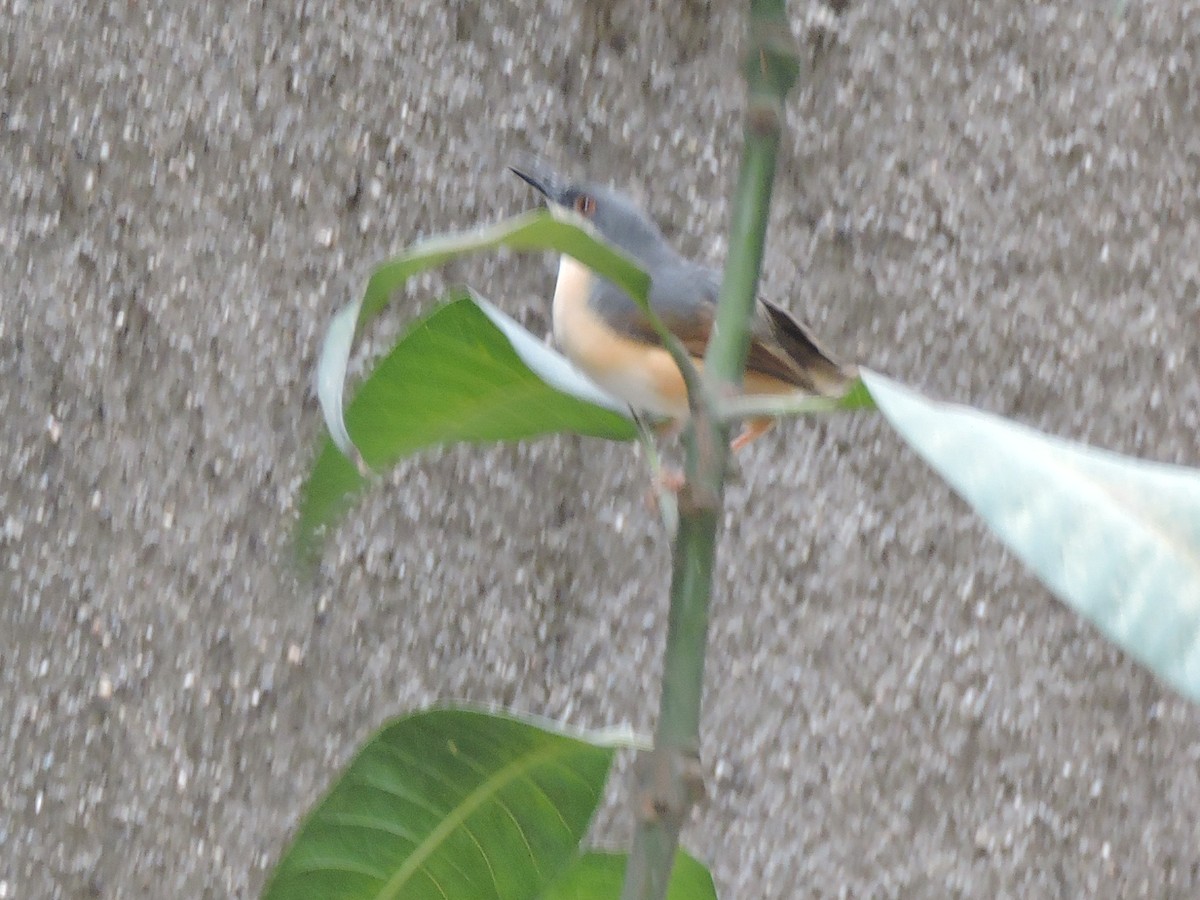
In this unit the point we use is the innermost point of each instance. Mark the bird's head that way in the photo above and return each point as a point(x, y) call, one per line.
point(617, 218)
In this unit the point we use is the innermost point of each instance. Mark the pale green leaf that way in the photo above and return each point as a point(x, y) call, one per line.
point(1117, 539)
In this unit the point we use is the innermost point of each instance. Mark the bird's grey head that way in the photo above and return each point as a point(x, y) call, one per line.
point(615, 216)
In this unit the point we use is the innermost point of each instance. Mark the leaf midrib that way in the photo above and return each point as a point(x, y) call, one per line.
point(459, 815)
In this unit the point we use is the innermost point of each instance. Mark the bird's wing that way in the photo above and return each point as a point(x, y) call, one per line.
point(685, 299)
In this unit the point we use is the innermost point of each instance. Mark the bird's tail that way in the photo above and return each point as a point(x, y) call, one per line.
point(810, 367)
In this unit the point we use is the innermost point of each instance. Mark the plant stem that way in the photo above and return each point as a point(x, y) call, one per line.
point(670, 777)
point(735, 409)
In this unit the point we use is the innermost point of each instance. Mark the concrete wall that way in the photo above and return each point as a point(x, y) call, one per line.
point(995, 201)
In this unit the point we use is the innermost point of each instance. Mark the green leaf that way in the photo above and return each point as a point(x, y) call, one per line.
point(451, 803)
point(466, 372)
point(600, 876)
point(1117, 539)
point(535, 230)
point(857, 397)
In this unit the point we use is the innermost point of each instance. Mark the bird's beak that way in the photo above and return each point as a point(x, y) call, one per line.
point(541, 179)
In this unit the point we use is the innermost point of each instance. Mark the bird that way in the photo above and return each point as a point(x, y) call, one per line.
point(610, 338)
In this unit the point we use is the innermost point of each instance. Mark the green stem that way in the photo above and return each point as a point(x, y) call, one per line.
point(726, 357)
point(669, 779)
point(738, 409)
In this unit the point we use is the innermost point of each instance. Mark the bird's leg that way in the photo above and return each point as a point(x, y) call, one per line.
point(662, 495)
point(665, 482)
point(667, 478)
point(751, 430)
point(668, 428)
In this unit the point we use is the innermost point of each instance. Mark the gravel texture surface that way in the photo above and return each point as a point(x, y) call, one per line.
point(995, 201)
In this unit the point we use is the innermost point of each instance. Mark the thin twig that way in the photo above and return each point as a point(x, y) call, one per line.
point(735, 409)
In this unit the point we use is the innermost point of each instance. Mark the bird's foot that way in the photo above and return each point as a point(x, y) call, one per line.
point(668, 481)
point(751, 431)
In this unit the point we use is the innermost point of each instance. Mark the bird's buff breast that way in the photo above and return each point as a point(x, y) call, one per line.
point(641, 375)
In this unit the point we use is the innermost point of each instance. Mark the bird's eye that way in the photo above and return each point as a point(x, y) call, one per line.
point(585, 204)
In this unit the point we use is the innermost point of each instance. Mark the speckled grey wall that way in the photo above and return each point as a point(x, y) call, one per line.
point(996, 201)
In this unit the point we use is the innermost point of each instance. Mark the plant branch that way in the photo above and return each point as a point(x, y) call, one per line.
point(735, 409)
point(692, 380)
point(669, 778)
